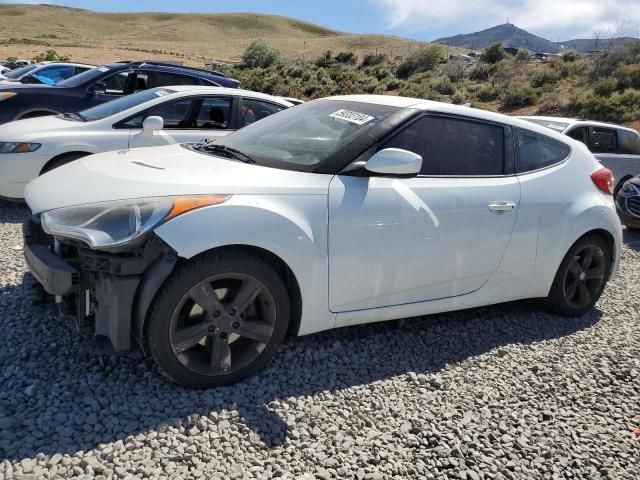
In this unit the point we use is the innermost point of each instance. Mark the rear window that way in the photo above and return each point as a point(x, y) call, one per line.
point(536, 151)
point(629, 142)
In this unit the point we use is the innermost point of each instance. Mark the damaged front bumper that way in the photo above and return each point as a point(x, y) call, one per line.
point(107, 292)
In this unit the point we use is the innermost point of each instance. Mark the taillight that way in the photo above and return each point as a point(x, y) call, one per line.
point(603, 179)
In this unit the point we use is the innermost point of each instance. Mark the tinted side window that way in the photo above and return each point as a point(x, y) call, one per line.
point(603, 140)
point(214, 113)
point(175, 115)
point(581, 134)
point(537, 151)
point(628, 142)
point(162, 79)
point(453, 146)
point(254, 110)
point(116, 83)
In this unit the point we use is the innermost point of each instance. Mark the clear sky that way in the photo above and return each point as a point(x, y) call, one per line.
point(420, 19)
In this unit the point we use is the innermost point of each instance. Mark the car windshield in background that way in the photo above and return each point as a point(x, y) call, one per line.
point(83, 77)
point(18, 72)
point(552, 124)
point(304, 137)
point(121, 104)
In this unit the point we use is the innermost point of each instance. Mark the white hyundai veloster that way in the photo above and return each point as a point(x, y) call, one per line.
point(342, 211)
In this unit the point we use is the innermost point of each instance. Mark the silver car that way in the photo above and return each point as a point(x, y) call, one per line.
point(616, 147)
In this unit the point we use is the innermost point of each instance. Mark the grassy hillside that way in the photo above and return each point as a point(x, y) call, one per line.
point(26, 30)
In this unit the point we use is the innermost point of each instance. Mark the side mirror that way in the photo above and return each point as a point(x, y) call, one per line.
point(395, 162)
point(152, 124)
point(29, 79)
point(99, 87)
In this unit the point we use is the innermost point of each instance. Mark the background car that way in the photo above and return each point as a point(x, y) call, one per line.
point(158, 116)
point(628, 203)
point(47, 73)
point(99, 85)
point(616, 147)
point(3, 70)
point(13, 64)
point(336, 212)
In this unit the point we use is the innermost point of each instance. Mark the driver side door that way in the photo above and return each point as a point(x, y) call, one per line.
point(395, 241)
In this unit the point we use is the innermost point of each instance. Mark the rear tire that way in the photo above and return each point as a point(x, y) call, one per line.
point(581, 278)
point(62, 160)
point(218, 320)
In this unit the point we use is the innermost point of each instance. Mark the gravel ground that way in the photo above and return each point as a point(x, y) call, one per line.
point(500, 392)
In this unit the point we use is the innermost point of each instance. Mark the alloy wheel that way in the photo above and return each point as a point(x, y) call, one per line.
point(585, 276)
point(222, 324)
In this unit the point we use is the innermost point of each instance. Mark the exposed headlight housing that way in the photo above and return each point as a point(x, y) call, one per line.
point(18, 147)
point(114, 224)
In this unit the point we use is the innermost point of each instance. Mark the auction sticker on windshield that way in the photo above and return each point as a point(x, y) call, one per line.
point(353, 117)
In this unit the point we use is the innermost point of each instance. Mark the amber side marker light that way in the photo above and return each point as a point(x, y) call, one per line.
point(186, 204)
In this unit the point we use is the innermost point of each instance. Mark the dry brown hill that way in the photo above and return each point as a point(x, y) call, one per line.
point(26, 30)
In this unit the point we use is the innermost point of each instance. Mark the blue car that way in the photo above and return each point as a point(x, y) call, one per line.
point(99, 85)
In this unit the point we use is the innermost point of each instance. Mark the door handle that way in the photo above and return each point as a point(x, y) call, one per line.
point(502, 206)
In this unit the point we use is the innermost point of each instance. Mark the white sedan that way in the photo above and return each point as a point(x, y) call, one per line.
point(338, 212)
point(159, 116)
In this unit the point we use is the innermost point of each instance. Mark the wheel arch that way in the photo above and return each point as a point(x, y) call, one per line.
point(620, 184)
point(31, 111)
point(60, 156)
point(160, 272)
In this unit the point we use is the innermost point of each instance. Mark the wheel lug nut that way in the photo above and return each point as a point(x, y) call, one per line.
point(232, 312)
point(212, 328)
point(216, 314)
point(223, 335)
point(236, 324)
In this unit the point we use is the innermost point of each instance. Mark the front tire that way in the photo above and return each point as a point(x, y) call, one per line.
point(218, 320)
point(581, 278)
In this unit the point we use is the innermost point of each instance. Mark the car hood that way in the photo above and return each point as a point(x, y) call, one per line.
point(162, 171)
point(35, 129)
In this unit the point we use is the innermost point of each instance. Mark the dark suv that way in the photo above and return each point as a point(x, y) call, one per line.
point(98, 86)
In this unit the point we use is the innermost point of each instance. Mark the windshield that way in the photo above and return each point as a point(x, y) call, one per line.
point(19, 72)
point(552, 124)
point(305, 137)
point(121, 104)
point(83, 77)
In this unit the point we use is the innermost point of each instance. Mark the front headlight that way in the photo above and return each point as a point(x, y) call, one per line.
point(7, 95)
point(18, 147)
point(113, 224)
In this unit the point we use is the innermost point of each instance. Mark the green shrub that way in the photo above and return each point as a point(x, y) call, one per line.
point(628, 76)
point(570, 57)
point(519, 94)
point(605, 87)
point(542, 76)
point(619, 107)
point(260, 55)
point(372, 59)
point(492, 54)
point(51, 56)
point(481, 72)
point(554, 102)
point(460, 96)
point(424, 60)
point(487, 93)
point(454, 71)
point(444, 86)
point(523, 55)
point(346, 58)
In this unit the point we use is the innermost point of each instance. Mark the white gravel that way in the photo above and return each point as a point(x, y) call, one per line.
point(502, 392)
